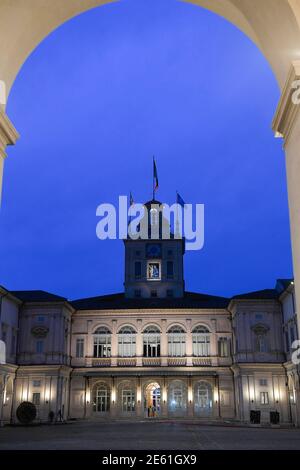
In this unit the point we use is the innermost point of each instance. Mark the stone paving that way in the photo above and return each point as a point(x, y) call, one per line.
point(146, 435)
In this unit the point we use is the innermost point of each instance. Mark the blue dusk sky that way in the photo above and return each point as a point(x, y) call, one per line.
point(93, 103)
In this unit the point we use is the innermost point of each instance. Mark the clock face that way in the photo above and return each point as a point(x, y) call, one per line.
point(153, 250)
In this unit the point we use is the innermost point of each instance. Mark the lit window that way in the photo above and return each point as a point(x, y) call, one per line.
point(176, 341)
point(101, 399)
point(102, 342)
point(151, 340)
point(153, 271)
point(127, 341)
point(79, 347)
point(201, 341)
point(264, 398)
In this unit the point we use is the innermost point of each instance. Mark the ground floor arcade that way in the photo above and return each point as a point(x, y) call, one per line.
point(239, 393)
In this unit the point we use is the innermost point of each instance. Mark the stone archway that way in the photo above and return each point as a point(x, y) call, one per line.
point(274, 26)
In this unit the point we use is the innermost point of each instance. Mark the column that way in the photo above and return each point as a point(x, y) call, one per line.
point(89, 345)
point(164, 343)
point(190, 398)
point(164, 399)
point(189, 344)
point(114, 344)
point(139, 398)
point(286, 124)
point(214, 344)
point(8, 136)
point(139, 344)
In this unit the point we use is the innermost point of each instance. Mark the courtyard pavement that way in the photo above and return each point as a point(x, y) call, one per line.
point(146, 435)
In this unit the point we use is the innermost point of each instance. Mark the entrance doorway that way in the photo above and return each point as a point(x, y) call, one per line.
point(152, 400)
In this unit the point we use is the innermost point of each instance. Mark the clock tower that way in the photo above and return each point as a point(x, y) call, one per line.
point(154, 264)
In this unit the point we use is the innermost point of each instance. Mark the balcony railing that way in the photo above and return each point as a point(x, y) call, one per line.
point(126, 361)
point(202, 361)
point(176, 361)
point(101, 362)
point(151, 361)
point(154, 361)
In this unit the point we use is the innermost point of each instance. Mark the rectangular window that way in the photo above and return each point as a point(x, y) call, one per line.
point(36, 399)
point(170, 252)
point(223, 347)
point(36, 383)
point(170, 293)
point(153, 271)
point(170, 269)
point(153, 293)
point(264, 398)
point(40, 347)
point(263, 382)
point(137, 293)
point(79, 347)
point(137, 269)
point(40, 319)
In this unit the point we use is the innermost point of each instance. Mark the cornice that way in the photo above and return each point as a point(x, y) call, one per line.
point(287, 111)
point(8, 133)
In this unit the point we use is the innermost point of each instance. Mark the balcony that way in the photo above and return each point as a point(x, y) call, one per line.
point(126, 361)
point(177, 361)
point(101, 362)
point(151, 361)
point(202, 361)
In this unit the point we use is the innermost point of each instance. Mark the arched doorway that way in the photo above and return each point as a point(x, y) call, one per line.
point(101, 399)
point(177, 399)
point(127, 399)
point(152, 400)
point(203, 399)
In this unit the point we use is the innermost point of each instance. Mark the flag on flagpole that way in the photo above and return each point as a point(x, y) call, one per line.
point(179, 199)
point(155, 178)
point(131, 201)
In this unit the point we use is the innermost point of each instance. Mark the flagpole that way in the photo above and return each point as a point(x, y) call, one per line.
point(177, 221)
point(153, 190)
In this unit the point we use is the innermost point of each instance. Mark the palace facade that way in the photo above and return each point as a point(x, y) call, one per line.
point(155, 351)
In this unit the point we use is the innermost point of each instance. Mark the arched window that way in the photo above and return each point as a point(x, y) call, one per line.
point(203, 399)
point(177, 398)
point(176, 341)
point(101, 398)
point(102, 342)
point(127, 341)
point(151, 341)
point(201, 341)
